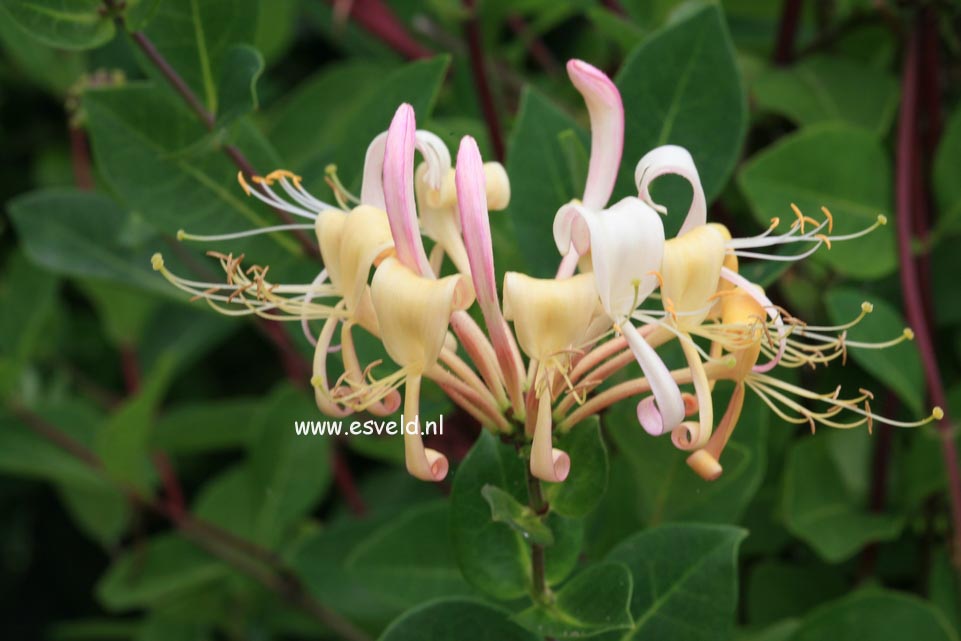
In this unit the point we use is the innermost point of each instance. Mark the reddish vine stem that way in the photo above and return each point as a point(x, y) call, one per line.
point(475, 48)
point(787, 32)
point(259, 563)
point(80, 158)
point(379, 20)
point(907, 140)
point(535, 46)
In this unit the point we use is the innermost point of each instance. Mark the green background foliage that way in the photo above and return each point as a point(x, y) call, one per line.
point(133, 422)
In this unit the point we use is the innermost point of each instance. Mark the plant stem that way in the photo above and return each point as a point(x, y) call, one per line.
point(380, 21)
point(475, 47)
point(538, 570)
point(907, 141)
point(259, 563)
point(787, 32)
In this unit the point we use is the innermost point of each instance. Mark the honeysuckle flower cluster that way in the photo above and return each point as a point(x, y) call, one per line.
point(540, 360)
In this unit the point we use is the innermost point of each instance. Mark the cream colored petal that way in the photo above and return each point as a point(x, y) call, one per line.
point(365, 238)
point(691, 270)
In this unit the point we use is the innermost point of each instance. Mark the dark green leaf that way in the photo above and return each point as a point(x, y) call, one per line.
point(506, 509)
point(452, 619)
point(825, 497)
point(777, 590)
point(898, 367)
point(31, 292)
point(237, 91)
point(585, 486)
point(204, 426)
point(840, 167)
point(682, 86)
point(947, 190)
point(830, 89)
point(67, 24)
point(596, 600)
point(685, 581)
point(880, 615)
point(53, 69)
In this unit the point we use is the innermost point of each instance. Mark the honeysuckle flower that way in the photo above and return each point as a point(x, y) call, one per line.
point(551, 317)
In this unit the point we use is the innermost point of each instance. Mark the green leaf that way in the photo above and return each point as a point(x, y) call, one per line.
point(124, 311)
point(451, 619)
point(898, 367)
point(540, 184)
point(230, 500)
point(596, 600)
point(685, 581)
point(584, 488)
point(409, 559)
point(825, 497)
point(336, 116)
point(840, 167)
point(292, 471)
point(943, 588)
point(947, 191)
point(492, 556)
point(32, 292)
point(830, 89)
point(67, 24)
point(668, 490)
point(879, 615)
point(149, 574)
point(53, 69)
point(84, 234)
point(100, 511)
point(506, 509)
point(195, 35)
point(682, 86)
point(204, 426)
point(777, 590)
point(237, 91)
point(145, 145)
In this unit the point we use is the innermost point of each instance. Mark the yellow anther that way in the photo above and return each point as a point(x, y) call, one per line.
point(157, 262)
point(775, 222)
point(867, 307)
point(243, 182)
point(657, 275)
point(909, 333)
point(277, 174)
point(259, 180)
point(827, 214)
point(882, 219)
point(825, 239)
point(800, 216)
point(937, 413)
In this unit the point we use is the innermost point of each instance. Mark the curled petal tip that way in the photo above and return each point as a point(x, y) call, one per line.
point(706, 466)
point(556, 470)
point(433, 466)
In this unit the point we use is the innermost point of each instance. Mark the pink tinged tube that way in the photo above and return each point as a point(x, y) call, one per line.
point(671, 159)
point(399, 191)
point(422, 462)
point(606, 110)
point(661, 413)
point(547, 462)
point(430, 146)
point(757, 294)
point(472, 204)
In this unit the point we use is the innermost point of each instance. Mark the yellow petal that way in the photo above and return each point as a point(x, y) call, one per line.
point(550, 316)
point(413, 312)
point(365, 239)
point(691, 269)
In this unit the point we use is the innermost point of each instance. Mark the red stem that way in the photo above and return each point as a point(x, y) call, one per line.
point(80, 159)
point(475, 46)
point(787, 32)
point(175, 504)
point(535, 46)
point(380, 21)
point(907, 140)
point(130, 364)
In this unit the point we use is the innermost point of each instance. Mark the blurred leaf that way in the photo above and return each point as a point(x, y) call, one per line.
point(409, 559)
point(450, 619)
point(67, 24)
point(337, 115)
point(879, 615)
point(55, 70)
point(194, 37)
point(830, 89)
point(667, 490)
point(825, 498)
point(521, 518)
point(492, 556)
point(99, 510)
point(682, 86)
point(898, 367)
point(237, 91)
point(943, 588)
point(208, 425)
point(229, 500)
point(123, 442)
point(780, 631)
point(123, 311)
point(84, 234)
point(149, 574)
point(947, 190)
point(685, 581)
point(540, 184)
point(596, 600)
point(139, 135)
point(292, 472)
point(277, 23)
point(614, 28)
point(777, 590)
point(32, 293)
point(840, 167)
point(584, 488)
